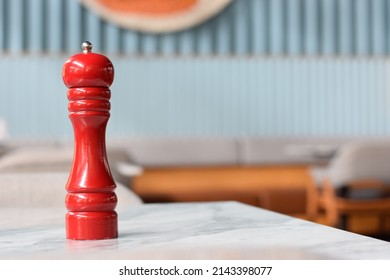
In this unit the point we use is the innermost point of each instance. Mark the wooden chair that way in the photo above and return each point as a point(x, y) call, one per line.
point(337, 206)
point(355, 183)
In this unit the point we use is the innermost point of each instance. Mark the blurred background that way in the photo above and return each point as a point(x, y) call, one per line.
point(247, 100)
point(258, 67)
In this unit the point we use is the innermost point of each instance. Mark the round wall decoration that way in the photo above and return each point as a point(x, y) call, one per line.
point(156, 16)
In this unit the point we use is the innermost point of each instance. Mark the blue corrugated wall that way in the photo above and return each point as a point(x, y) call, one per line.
point(271, 27)
point(205, 97)
point(261, 67)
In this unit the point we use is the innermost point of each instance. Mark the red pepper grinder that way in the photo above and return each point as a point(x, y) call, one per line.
point(91, 200)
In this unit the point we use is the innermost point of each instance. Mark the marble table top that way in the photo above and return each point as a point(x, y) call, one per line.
point(215, 230)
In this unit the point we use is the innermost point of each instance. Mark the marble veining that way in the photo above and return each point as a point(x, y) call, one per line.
point(220, 230)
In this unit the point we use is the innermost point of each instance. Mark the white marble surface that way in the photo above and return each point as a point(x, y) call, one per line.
point(224, 230)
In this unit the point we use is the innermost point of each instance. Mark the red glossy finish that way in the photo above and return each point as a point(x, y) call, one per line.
point(88, 70)
point(91, 200)
point(83, 202)
point(91, 225)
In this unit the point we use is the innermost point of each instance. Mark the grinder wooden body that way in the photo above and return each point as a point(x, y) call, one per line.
point(91, 199)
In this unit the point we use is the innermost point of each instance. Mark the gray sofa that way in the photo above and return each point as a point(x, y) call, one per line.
point(128, 156)
point(51, 155)
point(203, 151)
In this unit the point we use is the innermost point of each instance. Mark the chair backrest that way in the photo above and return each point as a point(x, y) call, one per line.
point(41, 190)
point(3, 129)
point(361, 161)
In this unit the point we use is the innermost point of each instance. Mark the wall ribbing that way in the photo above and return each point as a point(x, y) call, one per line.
point(250, 27)
point(203, 97)
point(261, 67)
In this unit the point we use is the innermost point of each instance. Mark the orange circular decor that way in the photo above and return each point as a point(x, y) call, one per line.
point(148, 7)
point(156, 16)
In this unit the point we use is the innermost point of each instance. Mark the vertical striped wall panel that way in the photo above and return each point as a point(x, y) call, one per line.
point(261, 67)
point(208, 97)
point(267, 27)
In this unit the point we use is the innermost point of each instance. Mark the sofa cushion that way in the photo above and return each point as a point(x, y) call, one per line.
point(37, 190)
point(284, 150)
point(37, 158)
point(180, 151)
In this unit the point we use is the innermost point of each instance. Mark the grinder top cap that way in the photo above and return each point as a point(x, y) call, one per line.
point(88, 69)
